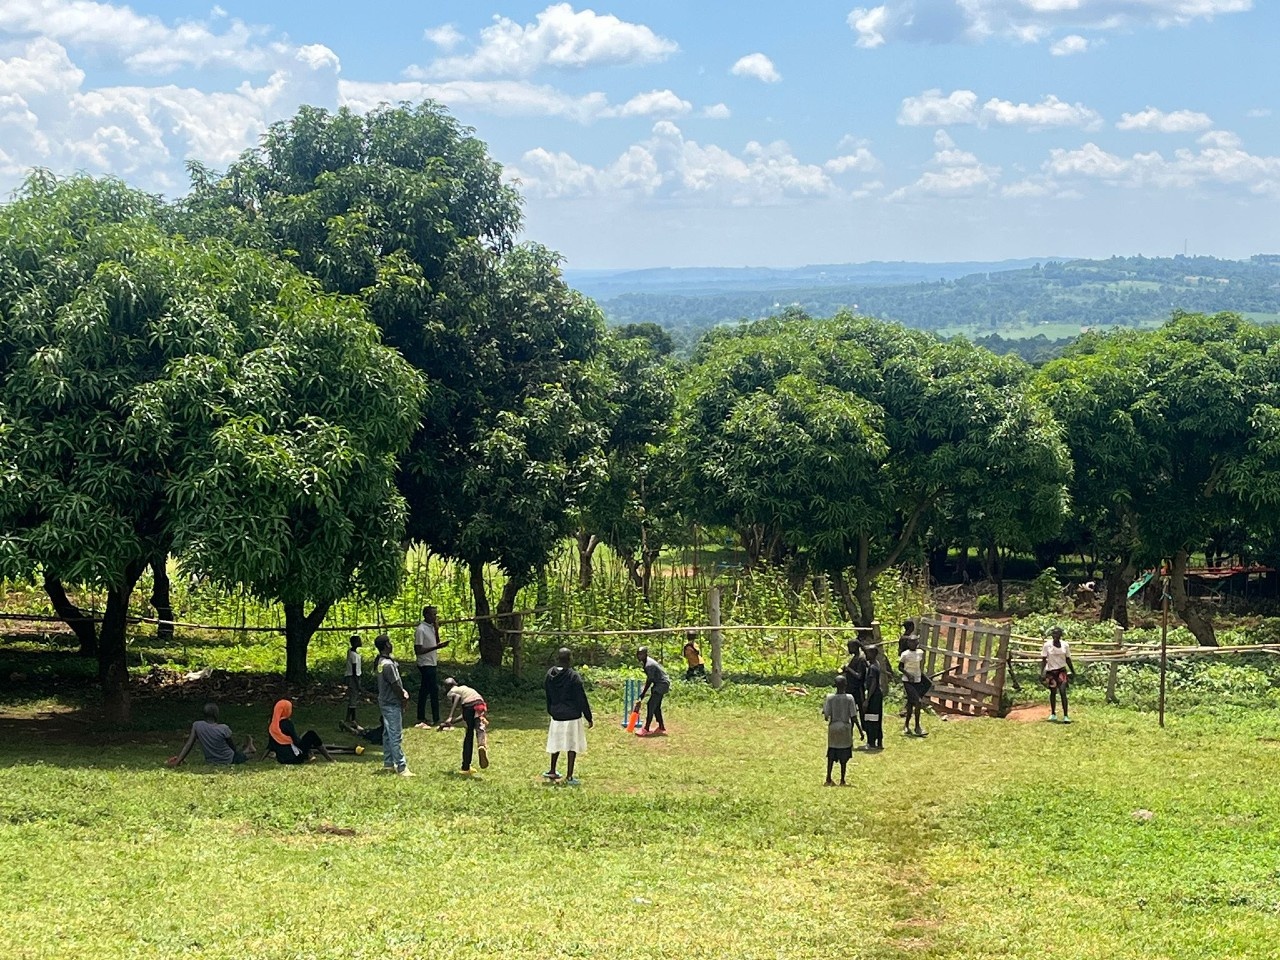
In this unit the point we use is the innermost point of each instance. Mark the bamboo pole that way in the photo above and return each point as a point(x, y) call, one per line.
point(717, 637)
point(1164, 644)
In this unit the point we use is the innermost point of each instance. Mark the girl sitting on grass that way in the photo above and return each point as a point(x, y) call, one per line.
point(283, 739)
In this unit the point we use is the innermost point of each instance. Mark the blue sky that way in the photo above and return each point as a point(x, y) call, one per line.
point(679, 133)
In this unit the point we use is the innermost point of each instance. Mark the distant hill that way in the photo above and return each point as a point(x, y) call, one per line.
point(1018, 299)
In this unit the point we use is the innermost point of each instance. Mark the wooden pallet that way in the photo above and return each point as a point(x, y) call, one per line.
point(967, 660)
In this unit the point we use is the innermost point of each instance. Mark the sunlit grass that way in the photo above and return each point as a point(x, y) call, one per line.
point(989, 839)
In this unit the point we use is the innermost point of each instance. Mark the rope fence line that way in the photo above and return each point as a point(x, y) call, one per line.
point(693, 628)
point(96, 617)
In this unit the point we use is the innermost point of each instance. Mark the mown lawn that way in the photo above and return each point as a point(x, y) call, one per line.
point(989, 839)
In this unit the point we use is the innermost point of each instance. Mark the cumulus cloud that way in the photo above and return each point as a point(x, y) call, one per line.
point(446, 36)
point(717, 111)
point(144, 133)
point(520, 98)
point(560, 37)
point(1157, 121)
point(860, 160)
point(669, 166)
point(757, 66)
point(1021, 21)
point(951, 174)
point(960, 107)
point(141, 42)
point(1220, 161)
point(1069, 46)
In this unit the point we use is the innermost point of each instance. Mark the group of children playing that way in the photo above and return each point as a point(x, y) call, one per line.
point(856, 705)
point(858, 701)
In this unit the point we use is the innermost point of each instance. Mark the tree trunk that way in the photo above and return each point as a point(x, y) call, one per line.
point(847, 603)
point(1115, 605)
point(511, 623)
point(646, 573)
point(80, 623)
point(490, 633)
point(160, 596)
point(113, 664)
point(587, 543)
point(299, 628)
point(864, 583)
point(1201, 627)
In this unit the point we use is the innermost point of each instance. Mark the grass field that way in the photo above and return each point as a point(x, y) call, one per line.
point(992, 838)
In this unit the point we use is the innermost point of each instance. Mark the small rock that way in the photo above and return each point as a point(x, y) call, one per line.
point(1143, 815)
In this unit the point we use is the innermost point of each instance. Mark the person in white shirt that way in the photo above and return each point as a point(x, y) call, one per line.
point(353, 678)
point(914, 683)
point(426, 641)
point(1056, 672)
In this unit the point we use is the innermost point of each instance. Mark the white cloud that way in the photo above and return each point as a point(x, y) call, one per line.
point(1258, 113)
point(1221, 161)
point(1151, 119)
point(655, 103)
point(861, 160)
point(717, 111)
point(669, 166)
point(1069, 46)
point(952, 174)
point(933, 109)
point(511, 98)
point(144, 134)
point(520, 98)
point(561, 37)
point(1049, 112)
point(446, 36)
point(757, 66)
point(1022, 21)
point(142, 43)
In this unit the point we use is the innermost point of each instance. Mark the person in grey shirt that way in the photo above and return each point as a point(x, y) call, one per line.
point(215, 742)
point(656, 684)
point(392, 697)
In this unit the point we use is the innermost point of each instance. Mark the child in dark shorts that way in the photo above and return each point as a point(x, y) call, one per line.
point(841, 713)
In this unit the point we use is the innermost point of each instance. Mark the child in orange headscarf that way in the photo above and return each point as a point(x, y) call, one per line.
point(284, 741)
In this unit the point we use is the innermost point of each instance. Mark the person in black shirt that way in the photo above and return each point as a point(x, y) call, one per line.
point(567, 704)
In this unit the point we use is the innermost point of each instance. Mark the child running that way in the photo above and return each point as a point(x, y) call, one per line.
point(841, 712)
point(1055, 662)
point(914, 683)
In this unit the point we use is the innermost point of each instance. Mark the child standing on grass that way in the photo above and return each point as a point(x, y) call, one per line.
point(570, 716)
point(841, 712)
point(914, 683)
point(353, 678)
point(1055, 662)
point(873, 696)
point(855, 678)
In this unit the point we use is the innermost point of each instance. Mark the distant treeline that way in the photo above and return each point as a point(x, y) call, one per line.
point(1121, 291)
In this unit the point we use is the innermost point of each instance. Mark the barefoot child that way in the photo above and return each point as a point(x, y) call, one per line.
point(1055, 662)
point(841, 712)
point(570, 716)
point(914, 683)
point(855, 678)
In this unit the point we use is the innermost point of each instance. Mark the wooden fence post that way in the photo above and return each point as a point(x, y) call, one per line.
point(717, 636)
point(1111, 674)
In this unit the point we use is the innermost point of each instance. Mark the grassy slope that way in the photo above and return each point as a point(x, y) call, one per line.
point(989, 839)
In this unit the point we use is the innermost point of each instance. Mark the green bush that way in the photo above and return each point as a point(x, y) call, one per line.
point(1045, 592)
